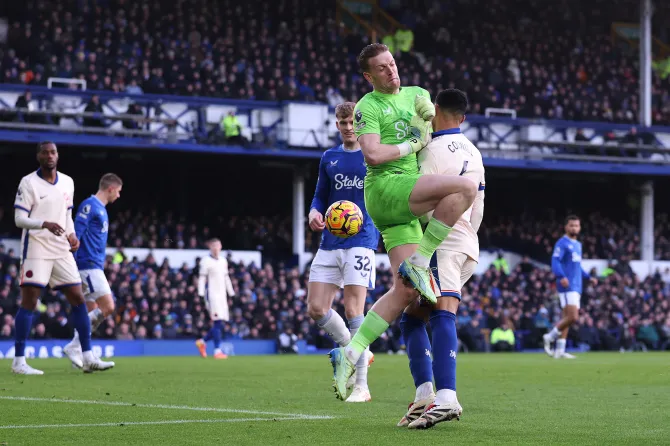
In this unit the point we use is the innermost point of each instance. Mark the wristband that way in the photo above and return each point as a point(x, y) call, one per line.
point(405, 148)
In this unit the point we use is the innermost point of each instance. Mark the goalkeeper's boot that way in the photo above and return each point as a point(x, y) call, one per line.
point(415, 410)
point(436, 414)
point(420, 278)
point(342, 370)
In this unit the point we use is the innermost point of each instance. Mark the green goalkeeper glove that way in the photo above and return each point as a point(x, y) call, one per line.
point(424, 108)
point(420, 131)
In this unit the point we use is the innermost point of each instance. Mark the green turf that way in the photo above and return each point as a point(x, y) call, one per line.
point(507, 399)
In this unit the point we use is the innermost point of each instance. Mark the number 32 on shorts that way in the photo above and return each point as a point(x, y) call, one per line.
point(362, 265)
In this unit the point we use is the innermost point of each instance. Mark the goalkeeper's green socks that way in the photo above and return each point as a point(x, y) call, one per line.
point(433, 236)
point(372, 328)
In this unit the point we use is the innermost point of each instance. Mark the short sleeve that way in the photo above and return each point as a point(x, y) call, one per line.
point(25, 196)
point(366, 118)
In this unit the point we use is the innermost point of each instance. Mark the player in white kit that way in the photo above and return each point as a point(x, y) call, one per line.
point(449, 153)
point(43, 209)
point(215, 286)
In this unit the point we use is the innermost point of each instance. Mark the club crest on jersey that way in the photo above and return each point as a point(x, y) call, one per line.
point(358, 115)
point(86, 209)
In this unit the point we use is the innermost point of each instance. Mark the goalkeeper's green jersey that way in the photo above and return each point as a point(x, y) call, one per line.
point(388, 115)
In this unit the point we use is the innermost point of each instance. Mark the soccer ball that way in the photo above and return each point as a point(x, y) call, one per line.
point(344, 219)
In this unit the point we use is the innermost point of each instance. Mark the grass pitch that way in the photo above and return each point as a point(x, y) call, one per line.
point(599, 398)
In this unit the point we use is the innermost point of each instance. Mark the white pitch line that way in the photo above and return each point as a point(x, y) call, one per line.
point(142, 423)
point(167, 406)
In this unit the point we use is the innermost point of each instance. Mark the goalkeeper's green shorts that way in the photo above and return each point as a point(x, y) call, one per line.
point(387, 203)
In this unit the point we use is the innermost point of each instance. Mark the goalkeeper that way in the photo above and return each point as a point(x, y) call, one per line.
point(392, 124)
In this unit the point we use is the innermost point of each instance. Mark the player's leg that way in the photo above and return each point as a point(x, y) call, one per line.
point(383, 312)
point(417, 343)
point(66, 278)
point(34, 276)
point(326, 277)
point(453, 270)
point(448, 197)
point(222, 315)
point(359, 275)
point(99, 304)
point(570, 302)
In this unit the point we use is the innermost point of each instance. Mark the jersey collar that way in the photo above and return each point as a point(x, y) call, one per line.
point(454, 131)
point(98, 200)
point(39, 174)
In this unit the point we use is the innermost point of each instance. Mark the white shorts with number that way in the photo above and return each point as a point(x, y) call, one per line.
point(570, 298)
point(57, 273)
point(94, 284)
point(451, 270)
point(342, 267)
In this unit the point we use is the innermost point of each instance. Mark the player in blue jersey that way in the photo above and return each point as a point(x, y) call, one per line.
point(566, 264)
point(340, 262)
point(91, 226)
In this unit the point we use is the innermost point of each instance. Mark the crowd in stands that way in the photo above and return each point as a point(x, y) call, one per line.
point(161, 302)
point(542, 59)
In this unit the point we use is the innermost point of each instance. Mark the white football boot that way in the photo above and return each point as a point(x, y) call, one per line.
point(20, 367)
point(73, 351)
point(564, 355)
point(437, 414)
point(547, 345)
point(359, 395)
point(415, 410)
point(92, 364)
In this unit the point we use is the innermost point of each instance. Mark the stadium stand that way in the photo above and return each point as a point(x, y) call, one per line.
point(540, 59)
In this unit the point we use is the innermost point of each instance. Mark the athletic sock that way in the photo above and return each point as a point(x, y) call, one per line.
point(362, 364)
point(22, 326)
point(554, 333)
point(424, 391)
point(96, 318)
point(445, 346)
point(83, 326)
point(418, 349)
point(372, 328)
point(560, 347)
point(333, 324)
point(217, 334)
point(433, 236)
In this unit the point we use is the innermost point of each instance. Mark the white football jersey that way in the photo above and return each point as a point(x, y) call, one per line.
point(47, 202)
point(214, 274)
point(451, 153)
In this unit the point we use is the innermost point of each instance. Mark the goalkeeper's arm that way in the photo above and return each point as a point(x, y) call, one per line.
point(377, 153)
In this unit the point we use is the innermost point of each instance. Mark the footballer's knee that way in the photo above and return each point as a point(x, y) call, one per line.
point(316, 310)
point(29, 297)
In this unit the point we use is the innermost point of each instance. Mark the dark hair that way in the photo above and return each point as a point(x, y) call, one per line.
point(570, 218)
point(370, 51)
point(452, 100)
point(40, 145)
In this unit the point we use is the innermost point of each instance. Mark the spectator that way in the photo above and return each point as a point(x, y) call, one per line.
point(502, 338)
point(287, 342)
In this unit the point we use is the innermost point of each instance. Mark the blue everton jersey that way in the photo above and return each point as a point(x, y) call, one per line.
point(91, 225)
point(567, 262)
point(341, 175)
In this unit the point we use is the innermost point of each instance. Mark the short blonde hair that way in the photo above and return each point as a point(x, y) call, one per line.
point(344, 110)
point(108, 180)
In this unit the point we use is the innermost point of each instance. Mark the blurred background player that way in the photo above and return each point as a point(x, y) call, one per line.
point(215, 286)
point(92, 226)
point(43, 209)
point(566, 264)
point(343, 262)
point(454, 262)
point(393, 124)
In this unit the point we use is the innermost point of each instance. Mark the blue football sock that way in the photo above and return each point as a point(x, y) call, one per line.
point(210, 335)
point(82, 324)
point(218, 326)
point(418, 348)
point(445, 346)
point(22, 325)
